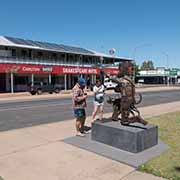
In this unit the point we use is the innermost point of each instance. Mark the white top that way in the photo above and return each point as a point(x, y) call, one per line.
point(99, 92)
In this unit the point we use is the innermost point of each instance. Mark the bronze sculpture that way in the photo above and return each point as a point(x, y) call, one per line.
point(125, 103)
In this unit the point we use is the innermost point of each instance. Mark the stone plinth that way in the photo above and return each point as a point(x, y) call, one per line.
point(132, 138)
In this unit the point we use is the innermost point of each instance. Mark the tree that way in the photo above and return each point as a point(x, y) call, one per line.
point(147, 65)
point(136, 70)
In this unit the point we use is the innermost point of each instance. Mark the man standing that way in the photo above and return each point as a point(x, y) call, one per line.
point(79, 105)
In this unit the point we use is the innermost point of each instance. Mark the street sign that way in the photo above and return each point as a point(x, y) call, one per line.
point(112, 51)
point(173, 72)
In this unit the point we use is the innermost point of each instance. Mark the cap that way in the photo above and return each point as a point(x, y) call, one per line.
point(82, 81)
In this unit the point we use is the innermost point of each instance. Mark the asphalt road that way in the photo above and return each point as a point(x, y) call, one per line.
point(14, 115)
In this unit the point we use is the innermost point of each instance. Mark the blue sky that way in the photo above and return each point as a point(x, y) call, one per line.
point(144, 29)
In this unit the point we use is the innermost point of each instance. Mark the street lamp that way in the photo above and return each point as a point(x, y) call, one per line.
point(167, 59)
point(80, 63)
point(167, 65)
point(134, 57)
point(101, 69)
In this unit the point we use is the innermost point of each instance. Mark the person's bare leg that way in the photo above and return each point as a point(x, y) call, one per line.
point(83, 119)
point(95, 112)
point(83, 130)
point(78, 127)
point(101, 108)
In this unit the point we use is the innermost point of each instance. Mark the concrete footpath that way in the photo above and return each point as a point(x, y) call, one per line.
point(66, 94)
point(38, 153)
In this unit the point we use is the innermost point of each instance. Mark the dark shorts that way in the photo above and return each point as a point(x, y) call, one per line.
point(79, 113)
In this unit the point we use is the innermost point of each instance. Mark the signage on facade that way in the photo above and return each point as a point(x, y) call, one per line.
point(40, 69)
point(47, 69)
point(153, 72)
point(26, 69)
point(173, 72)
point(111, 71)
point(79, 70)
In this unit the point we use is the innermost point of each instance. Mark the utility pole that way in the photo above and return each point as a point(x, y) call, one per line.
point(101, 69)
point(167, 66)
point(134, 56)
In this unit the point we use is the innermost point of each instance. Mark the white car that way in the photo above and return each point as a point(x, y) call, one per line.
point(109, 84)
point(141, 81)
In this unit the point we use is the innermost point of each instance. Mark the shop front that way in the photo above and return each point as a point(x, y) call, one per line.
point(159, 76)
point(16, 77)
point(2, 82)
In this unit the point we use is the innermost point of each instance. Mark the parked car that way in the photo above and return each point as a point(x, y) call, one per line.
point(109, 84)
point(40, 87)
point(141, 81)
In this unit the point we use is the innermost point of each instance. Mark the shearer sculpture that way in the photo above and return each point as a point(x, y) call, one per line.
point(124, 104)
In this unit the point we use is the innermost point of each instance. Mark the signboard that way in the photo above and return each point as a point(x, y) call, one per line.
point(111, 71)
point(78, 70)
point(112, 51)
point(173, 72)
point(153, 72)
point(41, 69)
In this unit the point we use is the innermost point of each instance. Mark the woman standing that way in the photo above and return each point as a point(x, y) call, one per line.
point(99, 92)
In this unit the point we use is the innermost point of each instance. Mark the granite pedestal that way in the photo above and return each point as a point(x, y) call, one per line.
point(133, 138)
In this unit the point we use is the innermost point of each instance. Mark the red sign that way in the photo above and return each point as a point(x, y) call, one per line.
point(79, 70)
point(40, 69)
point(111, 71)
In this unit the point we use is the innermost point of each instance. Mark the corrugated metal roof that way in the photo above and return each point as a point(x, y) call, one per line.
point(5, 42)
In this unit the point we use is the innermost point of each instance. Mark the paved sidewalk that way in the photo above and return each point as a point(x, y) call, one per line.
point(38, 153)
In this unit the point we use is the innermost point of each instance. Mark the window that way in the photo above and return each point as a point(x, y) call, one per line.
point(21, 80)
point(63, 56)
point(30, 54)
point(54, 56)
point(39, 54)
point(24, 54)
point(13, 52)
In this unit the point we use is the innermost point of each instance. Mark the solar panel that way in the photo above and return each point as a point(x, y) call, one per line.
point(77, 49)
point(53, 46)
point(58, 47)
point(47, 45)
point(30, 42)
point(44, 45)
point(39, 44)
point(20, 41)
point(14, 40)
point(64, 47)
